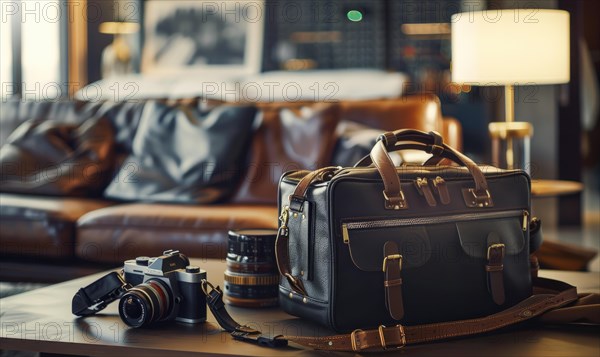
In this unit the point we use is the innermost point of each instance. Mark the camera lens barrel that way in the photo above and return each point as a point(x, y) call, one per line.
point(251, 278)
point(146, 303)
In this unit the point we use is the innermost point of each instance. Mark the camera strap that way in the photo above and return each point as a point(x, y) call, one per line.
point(550, 302)
point(214, 300)
point(96, 296)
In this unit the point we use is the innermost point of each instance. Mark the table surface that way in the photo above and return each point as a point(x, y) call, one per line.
point(41, 320)
point(552, 188)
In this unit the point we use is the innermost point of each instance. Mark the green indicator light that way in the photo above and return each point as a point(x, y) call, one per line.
point(355, 15)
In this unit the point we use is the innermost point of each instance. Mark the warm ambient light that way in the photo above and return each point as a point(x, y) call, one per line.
point(526, 46)
point(316, 36)
point(114, 28)
point(511, 47)
point(426, 29)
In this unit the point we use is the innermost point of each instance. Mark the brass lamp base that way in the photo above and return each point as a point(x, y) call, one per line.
point(508, 137)
point(515, 129)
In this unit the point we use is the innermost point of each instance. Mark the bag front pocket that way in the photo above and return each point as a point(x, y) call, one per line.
point(365, 239)
point(445, 270)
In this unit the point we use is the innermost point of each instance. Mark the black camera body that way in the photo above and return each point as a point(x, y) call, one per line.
point(164, 288)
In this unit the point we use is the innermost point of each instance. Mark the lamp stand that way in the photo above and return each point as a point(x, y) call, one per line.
point(511, 135)
point(509, 115)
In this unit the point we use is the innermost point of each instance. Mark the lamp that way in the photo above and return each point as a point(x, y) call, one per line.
point(510, 47)
point(116, 57)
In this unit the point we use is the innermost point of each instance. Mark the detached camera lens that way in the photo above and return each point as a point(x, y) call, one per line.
point(251, 278)
point(145, 303)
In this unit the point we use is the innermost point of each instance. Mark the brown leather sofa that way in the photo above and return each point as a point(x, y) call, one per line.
point(53, 238)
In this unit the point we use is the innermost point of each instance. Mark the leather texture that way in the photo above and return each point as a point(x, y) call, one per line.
point(441, 257)
point(117, 233)
point(61, 159)
point(586, 310)
point(551, 302)
point(291, 130)
point(42, 226)
point(421, 112)
point(288, 138)
point(363, 121)
point(15, 112)
point(494, 269)
point(184, 154)
point(392, 282)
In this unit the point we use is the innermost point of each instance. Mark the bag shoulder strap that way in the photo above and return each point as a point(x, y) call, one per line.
point(548, 295)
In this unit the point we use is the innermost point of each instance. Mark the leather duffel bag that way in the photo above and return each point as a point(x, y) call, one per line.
point(377, 244)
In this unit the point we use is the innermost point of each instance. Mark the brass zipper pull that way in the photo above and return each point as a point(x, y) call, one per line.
point(345, 234)
point(424, 189)
point(525, 220)
point(442, 189)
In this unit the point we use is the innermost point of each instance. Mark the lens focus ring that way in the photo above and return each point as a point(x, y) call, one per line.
point(145, 303)
point(251, 279)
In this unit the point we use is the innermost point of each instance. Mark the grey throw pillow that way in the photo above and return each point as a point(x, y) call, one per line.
point(185, 154)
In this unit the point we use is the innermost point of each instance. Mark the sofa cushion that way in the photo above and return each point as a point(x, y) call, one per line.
point(184, 154)
point(423, 112)
point(117, 233)
point(57, 158)
point(290, 137)
point(355, 141)
point(16, 111)
point(41, 226)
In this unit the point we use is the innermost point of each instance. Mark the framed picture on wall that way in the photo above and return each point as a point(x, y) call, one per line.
point(183, 36)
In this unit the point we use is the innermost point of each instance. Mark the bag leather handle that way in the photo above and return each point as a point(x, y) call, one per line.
point(392, 193)
point(297, 198)
point(432, 161)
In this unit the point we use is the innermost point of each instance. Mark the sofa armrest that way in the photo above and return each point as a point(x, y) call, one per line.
point(452, 132)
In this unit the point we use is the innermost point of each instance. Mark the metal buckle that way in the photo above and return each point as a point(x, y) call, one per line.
point(382, 337)
point(472, 199)
point(295, 284)
point(487, 194)
point(353, 340)
point(495, 246)
point(292, 280)
point(392, 257)
point(277, 341)
point(401, 204)
point(204, 284)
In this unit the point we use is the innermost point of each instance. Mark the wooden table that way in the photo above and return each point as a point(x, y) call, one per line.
point(552, 188)
point(41, 320)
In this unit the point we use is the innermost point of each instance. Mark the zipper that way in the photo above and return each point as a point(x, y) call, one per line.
point(403, 222)
point(424, 189)
point(345, 234)
point(525, 220)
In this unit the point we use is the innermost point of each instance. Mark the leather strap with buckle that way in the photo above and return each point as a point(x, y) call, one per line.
point(282, 253)
point(385, 338)
point(494, 269)
point(392, 281)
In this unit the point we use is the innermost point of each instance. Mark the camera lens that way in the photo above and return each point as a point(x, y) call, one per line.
point(133, 308)
point(145, 303)
point(251, 278)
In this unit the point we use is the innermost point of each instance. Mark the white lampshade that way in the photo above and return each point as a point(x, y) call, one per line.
point(502, 47)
